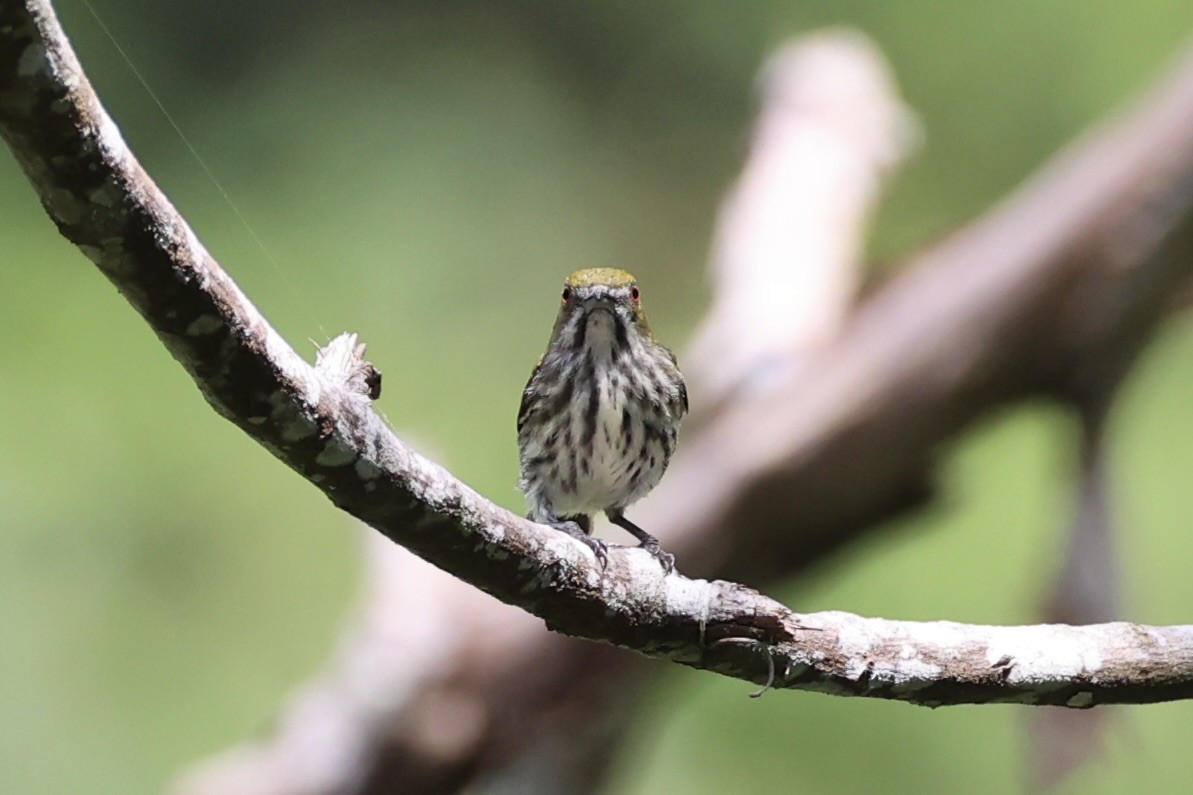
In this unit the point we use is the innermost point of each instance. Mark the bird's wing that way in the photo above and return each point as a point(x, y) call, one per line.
point(527, 403)
point(683, 387)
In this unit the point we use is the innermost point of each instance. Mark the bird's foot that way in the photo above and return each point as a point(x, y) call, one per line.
point(645, 540)
point(599, 548)
point(665, 559)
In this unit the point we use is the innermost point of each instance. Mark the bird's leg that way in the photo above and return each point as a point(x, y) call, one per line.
point(646, 540)
point(579, 527)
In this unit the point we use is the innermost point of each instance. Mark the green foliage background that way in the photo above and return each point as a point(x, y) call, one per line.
point(425, 174)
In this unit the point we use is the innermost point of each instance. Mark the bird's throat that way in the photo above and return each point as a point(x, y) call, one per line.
point(603, 331)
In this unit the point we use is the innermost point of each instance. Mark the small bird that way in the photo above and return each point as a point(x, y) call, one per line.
point(600, 415)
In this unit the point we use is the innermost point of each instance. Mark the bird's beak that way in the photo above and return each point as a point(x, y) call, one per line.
point(599, 298)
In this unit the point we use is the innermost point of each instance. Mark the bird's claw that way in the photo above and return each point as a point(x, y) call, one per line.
point(599, 548)
point(665, 559)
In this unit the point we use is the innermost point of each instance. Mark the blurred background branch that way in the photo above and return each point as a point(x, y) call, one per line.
point(515, 723)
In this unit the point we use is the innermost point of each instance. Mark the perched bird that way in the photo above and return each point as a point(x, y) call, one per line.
point(600, 414)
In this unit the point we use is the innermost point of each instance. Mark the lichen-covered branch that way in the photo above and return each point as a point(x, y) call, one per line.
point(941, 663)
point(319, 421)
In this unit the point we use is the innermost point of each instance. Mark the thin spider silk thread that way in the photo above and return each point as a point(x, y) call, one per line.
point(203, 165)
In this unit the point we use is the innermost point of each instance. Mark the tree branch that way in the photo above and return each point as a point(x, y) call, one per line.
point(318, 422)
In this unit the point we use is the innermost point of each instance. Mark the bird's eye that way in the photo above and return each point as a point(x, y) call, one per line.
point(567, 294)
point(634, 293)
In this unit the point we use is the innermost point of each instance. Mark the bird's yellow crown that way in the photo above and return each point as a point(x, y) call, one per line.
point(589, 277)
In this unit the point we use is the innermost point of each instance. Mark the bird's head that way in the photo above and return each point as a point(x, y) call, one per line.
point(599, 307)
